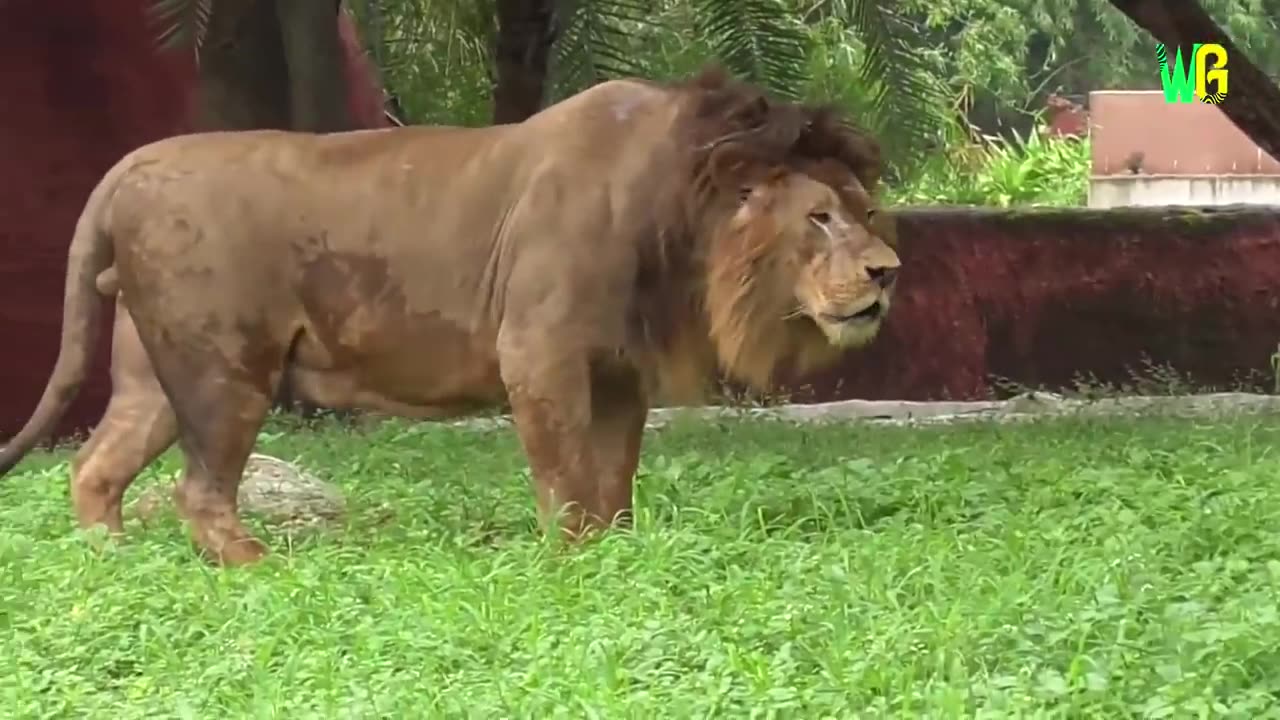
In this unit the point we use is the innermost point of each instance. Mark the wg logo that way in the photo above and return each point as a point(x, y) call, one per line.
point(1185, 83)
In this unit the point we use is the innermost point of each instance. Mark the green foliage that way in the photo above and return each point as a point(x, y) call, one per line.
point(912, 71)
point(595, 43)
point(757, 40)
point(776, 43)
point(897, 86)
point(663, 43)
point(435, 55)
point(1068, 568)
point(1000, 58)
point(1030, 170)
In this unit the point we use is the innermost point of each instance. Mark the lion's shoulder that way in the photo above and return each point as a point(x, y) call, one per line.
point(624, 105)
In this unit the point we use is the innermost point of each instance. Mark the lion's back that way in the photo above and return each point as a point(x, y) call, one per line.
point(596, 129)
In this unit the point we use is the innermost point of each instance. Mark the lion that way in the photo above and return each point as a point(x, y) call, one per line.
point(620, 248)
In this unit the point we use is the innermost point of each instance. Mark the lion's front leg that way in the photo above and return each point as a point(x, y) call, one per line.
point(551, 406)
point(619, 407)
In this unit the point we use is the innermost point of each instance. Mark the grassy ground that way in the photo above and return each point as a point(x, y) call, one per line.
point(1063, 569)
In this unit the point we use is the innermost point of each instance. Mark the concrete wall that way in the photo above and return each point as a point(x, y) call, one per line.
point(1117, 191)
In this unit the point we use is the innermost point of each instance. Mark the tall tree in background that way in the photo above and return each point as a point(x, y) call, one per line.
point(262, 63)
point(563, 46)
point(526, 32)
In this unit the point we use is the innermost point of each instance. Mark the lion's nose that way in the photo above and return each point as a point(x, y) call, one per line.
point(883, 276)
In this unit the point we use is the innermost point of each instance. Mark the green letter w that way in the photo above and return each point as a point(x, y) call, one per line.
point(1178, 81)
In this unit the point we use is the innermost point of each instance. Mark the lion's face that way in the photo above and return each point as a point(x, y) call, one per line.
point(798, 270)
point(844, 272)
point(829, 264)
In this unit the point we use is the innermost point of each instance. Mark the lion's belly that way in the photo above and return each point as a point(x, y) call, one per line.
point(352, 389)
point(420, 372)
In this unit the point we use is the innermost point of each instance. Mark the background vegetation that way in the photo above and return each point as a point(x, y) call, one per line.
point(955, 88)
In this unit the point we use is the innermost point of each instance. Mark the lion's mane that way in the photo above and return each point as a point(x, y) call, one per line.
point(697, 279)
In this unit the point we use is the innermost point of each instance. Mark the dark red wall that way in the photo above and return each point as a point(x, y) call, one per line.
point(1039, 296)
point(82, 85)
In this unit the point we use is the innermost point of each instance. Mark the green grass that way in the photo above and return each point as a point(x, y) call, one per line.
point(1058, 569)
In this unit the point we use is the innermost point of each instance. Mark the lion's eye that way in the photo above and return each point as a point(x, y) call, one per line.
point(821, 218)
point(871, 214)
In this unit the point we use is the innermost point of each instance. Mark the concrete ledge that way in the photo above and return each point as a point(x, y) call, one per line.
point(1030, 406)
point(1118, 191)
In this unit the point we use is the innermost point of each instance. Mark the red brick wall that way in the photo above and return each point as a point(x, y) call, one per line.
point(82, 86)
point(1039, 296)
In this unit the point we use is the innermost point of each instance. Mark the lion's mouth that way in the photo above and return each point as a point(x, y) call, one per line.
point(870, 312)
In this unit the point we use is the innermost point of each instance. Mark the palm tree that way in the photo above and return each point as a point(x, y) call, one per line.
point(276, 63)
point(262, 63)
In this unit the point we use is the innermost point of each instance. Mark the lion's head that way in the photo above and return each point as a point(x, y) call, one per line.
point(792, 260)
point(797, 273)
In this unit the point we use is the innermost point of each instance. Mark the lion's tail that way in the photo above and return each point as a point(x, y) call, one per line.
point(91, 252)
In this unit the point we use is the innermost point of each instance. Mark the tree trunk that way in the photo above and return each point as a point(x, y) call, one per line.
point(244, 80)
point(1252, 102)
point(526, 34)
point(316, 67)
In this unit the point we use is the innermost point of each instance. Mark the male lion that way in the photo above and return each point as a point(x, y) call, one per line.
point(611, 250)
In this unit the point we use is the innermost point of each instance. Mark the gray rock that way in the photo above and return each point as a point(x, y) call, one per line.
point(282, 492)
point(279, 492)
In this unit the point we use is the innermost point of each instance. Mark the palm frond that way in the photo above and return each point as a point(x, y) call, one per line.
point(908, 91)
point(183, 23)
point(760, 41)
point(595, 42)
point(903, 87)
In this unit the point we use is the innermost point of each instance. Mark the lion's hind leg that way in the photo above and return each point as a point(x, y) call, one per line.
point(220, 402)
point(133, 432)
point(137, 426)
point(220, 416)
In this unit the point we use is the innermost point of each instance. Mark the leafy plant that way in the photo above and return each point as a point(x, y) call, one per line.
point(1031, 170)
point(896, 77)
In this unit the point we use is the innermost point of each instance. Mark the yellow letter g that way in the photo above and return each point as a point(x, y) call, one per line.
point(1217, 72)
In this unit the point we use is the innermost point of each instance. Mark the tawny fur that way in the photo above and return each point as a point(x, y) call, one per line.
point(616, 249)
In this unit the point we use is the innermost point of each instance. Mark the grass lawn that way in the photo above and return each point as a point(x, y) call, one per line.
point(1063, 569)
